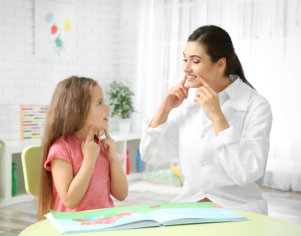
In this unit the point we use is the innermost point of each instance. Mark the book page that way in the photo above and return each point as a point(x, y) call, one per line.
point(188, 216)
point(186, 213)
point(140, 216)
point(98, 220)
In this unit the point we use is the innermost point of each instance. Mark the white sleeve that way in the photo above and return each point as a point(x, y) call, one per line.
point(159, 145)
point(244, 154)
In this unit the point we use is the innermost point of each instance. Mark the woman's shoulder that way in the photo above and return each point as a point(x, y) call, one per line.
point(251, 96)
point(259, 104)
point(258, 98)
point(247, 99)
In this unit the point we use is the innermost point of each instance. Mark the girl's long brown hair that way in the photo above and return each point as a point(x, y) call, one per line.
point(66, 114)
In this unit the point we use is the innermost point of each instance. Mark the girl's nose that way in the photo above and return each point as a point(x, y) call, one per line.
point(109, 109)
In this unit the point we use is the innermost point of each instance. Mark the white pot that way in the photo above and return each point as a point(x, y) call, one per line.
point(124, 125)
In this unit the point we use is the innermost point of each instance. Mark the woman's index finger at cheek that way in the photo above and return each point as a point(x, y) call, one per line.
point(183, 81)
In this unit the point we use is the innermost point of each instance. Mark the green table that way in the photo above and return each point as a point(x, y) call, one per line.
point(258, 225)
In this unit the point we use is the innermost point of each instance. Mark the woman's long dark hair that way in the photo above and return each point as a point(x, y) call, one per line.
point(219, 44)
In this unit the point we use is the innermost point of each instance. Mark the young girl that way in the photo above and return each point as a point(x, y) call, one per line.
point(79, 171)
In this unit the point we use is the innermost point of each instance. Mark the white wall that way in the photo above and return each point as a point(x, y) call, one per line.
point(128, 52)
point(25, 79)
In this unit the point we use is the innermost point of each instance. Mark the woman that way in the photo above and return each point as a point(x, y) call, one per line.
point(216, 124)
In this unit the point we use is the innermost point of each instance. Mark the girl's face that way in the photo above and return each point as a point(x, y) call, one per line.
point(99, 112)
point(197, 64)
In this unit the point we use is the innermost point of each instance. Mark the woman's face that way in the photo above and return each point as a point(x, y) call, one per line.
point(197, 64)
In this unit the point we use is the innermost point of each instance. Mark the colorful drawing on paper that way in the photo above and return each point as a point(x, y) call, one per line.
point(59, 32)
point(32, 121)
point(54, 33)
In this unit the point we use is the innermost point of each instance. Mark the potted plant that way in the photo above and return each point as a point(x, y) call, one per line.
point(120, 100)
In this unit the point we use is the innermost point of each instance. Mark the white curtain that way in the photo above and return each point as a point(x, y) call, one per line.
point(267, 38)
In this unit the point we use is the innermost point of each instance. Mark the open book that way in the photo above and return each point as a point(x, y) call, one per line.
point(141, 216)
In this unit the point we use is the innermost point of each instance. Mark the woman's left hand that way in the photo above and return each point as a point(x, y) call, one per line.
point(109, 146)
point(209, 100)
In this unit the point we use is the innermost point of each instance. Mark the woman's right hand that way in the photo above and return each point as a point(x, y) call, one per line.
point(175, 95)
point(89, 147)
point(173, 98)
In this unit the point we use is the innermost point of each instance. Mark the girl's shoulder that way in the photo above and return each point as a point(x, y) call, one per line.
point(59, 143)
point(68, 141)
point(65, 145)
point(62, 148)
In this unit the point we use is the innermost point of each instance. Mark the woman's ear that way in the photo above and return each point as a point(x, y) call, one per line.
point(221, 64)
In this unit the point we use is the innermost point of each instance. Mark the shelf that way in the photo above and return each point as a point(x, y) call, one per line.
point(134, 176)
point(10, 151)
point(117, 136)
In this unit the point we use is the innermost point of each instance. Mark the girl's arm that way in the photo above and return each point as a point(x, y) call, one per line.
point(119, 184)
point(72, 189)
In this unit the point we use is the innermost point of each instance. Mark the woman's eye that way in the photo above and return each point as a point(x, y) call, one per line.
point(99, 103)
point(196, 62)
point(184, 60)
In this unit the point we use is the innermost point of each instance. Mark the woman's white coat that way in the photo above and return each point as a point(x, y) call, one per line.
point(228, 168)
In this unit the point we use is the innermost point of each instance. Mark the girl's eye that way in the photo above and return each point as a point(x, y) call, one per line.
point(185, 60)
point(196, 62)
point(100, 103)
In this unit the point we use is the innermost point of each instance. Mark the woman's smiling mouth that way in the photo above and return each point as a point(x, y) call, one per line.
point(191, 77)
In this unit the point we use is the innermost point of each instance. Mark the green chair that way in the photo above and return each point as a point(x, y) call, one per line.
point(31, 165)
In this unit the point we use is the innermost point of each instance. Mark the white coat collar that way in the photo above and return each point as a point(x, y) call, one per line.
point(238, 91)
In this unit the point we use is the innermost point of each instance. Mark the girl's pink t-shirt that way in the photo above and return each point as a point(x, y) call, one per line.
point(98, 194)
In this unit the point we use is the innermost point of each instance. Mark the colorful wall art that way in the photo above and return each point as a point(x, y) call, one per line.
point(54, 29)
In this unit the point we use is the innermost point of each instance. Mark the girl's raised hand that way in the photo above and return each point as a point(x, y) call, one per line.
point(89, 147)
point(175, 95)
point(109, 146)
point(209, 100)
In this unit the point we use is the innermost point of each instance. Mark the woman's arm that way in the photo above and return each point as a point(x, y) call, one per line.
point(71, 189)
point(173, 98)
point(243, 153)
point(159, 141)
point(119, 184)
point(209, 100)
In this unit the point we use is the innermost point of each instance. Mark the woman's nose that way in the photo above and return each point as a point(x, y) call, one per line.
point(186, 67)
